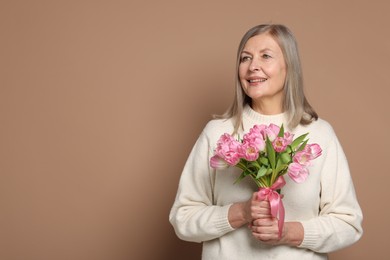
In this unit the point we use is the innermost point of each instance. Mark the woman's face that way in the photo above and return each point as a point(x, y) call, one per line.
point(262, 70)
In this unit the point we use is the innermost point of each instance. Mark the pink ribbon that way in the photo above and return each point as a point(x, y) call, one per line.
point(275, 201)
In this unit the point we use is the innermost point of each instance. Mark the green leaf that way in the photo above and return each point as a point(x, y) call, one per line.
point(242, 176)
point(262, 171)
point(285, 157)
point(302, 145)
point(278, 162)
point(281, 131)
point(271, 153)
point(298, 140)
point(255, 164)
point(264, 161)
point(280, 167)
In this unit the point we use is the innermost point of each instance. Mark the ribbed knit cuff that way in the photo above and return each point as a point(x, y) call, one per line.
point(221, 221)
point(311, 235)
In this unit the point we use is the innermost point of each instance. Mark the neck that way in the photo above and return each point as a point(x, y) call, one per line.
point(267, 108)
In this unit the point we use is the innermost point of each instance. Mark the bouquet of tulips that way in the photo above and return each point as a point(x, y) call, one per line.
point(265, 154)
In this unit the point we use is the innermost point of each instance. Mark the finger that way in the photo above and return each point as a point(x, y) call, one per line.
point(261, 208)
point(260, 213)
point(254, 196)
point(265, 204)
point(265, 222)
point(267, 227)
point(269, 238)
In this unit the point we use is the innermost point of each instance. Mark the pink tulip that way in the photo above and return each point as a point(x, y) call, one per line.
point(302, 157)
point(254, 138)
point(280, 144)
point(260, 129)
point(272, 132)
point(227, 149)
point(249, 152)
point(297, 172)
point(314, 150)
point(232, 158)
point(217, 162)
point(288, 137)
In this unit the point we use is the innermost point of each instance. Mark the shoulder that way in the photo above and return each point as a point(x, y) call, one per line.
point(322, 126)
point(217, 127)
point(320, 131)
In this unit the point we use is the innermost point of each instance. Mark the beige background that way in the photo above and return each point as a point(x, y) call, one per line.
point(101, 102)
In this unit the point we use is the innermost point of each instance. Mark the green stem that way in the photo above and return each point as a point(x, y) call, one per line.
point(273, 177)
point(241, 165)
point(259, 182)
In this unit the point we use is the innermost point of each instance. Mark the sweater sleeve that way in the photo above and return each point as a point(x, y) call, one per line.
point(340, 217)
point(193, 215)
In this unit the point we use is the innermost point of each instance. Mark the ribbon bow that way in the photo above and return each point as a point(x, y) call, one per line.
point(275, 201)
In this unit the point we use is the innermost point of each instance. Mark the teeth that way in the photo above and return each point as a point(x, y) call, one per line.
point(257, 80)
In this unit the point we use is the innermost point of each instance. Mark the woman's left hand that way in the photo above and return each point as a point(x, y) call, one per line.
point(266, 230)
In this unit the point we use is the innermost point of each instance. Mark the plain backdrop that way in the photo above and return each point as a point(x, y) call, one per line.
point(102, 101)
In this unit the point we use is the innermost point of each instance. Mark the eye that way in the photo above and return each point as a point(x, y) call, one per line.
point(266, 56)
point(245, 58)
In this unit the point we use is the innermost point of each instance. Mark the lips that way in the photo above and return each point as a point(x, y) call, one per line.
point(256, 80)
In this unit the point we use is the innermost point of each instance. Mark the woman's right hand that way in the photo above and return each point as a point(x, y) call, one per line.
point(259, 209)
point(242, 213)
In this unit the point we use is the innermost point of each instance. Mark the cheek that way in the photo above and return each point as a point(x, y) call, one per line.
point(242, 70)
point(278, 73)
point(283, 75)
point(283, 71)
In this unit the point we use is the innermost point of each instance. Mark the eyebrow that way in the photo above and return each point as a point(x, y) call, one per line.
point(262, 50)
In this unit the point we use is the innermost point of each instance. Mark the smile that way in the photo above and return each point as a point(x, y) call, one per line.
point(256, 80)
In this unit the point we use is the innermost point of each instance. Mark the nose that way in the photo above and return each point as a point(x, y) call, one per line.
point(255, 65)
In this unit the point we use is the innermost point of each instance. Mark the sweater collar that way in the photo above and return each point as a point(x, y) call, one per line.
point(251, 117)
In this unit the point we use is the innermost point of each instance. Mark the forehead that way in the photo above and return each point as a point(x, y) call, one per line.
point(261, 42)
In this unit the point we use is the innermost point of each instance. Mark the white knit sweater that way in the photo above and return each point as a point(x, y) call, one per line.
point(325, 203)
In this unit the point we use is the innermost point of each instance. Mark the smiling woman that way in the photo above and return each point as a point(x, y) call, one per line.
point(233, 221)
point(277, 43)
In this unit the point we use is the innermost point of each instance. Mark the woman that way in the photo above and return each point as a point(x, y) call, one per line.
point(322, 213)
